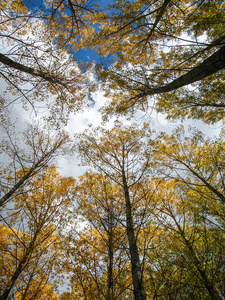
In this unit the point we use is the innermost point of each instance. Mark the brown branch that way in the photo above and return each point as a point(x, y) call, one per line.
point(211, 65)
point(37, 73)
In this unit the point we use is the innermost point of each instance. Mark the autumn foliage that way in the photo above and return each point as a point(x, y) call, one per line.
point(146, 219)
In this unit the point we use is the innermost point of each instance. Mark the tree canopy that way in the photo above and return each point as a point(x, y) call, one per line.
point(146, 218)
point(160, 47)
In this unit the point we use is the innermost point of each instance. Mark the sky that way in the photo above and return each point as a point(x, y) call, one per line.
point(80, 121)
point(69, 166)
point(86, 56)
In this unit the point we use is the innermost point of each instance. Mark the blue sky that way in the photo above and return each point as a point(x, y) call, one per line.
point(83, 55)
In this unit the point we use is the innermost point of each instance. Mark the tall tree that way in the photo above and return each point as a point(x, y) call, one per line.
point(21, 162)
point(33, 248)
point(194, 244)
point(191, 206)
point(33, 66)
point(102, 252)
point(159, 46)
point(120, 154)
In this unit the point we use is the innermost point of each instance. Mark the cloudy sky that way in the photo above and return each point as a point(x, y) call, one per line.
point(91, 115)
point(79, 122)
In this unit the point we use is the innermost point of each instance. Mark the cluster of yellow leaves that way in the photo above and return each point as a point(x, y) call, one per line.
point(15, 5)
point(31, 255)
point(177, 208)
point(42, 291)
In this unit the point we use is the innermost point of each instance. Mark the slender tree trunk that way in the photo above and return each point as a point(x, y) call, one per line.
point(21, 182)
point(110, 295)
point(162, 10)
point(206, 183)
point(19, 269)
point(207, 283)
point(139, 291)
point(39, 164)
point(211, 65)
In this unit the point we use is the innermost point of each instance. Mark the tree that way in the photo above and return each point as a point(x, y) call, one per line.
point(30, 257)
point(194, 245)
point(100, 262)
point(159, 47)
point(120, 154)
point(196, 161)
point(190, 207)
point(39, 149)
point(34, 68)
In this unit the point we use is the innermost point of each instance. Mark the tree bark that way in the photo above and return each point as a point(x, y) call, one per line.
point(37, 73)
point(139, 291)
point(110, 294)
point(20, 267)
point(207, 283)
point(211, 65)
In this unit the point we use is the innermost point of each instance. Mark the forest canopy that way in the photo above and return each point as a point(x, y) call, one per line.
point(146, 218)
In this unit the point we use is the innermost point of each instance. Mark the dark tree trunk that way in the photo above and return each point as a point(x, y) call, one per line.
point(207, 283)
point(38, 73)
point(110, 294)
point(22, 264)
point(139, 291)
point(211, 65)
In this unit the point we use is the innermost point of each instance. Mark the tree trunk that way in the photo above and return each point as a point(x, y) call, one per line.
point(211, 65)
point(202, 179)
point(110, 293)
point(139, 291)
point(37, 73)
point(38, 165)
point(19, 269)
point(207, 283)
point(21, 182)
